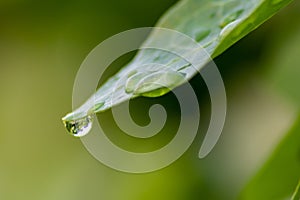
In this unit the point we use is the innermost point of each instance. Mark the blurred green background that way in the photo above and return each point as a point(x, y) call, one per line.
point(42, 44)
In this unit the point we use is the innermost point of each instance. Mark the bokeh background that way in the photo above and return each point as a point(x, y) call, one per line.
point(42, 44)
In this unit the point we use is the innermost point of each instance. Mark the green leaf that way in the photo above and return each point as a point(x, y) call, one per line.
point(214, 24)
point(296, 195)
point(279, 175)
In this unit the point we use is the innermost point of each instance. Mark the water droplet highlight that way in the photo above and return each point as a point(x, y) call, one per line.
point(228, 28)
point(132, 81)
point(79, 127)
point(156, 93)
point(159, 83)
point(131, 73)
point(97, 107)
point(231, 17)
point(184, 67)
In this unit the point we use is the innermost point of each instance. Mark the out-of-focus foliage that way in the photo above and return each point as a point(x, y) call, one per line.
point(279, 176)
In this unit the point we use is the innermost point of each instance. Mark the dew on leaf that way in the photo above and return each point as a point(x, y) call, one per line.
point(230, 18)
point(164, 79)
point(131, 73)
point(228, 28)
point(156, 93)
point(97, 107)
point(132, 81)
point(184, 67)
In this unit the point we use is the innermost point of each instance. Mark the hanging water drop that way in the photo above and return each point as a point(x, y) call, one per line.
point(79, 127)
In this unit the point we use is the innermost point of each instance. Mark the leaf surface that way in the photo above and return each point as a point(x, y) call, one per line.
point(214, 24)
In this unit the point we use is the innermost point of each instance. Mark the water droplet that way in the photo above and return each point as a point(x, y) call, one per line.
point(156, 93)
point(159, 83)
point(184, 66)
point(97, 107)
point(131, 73)
point(231, 17)
point(228, 28)
point(79, 127)
point(132, 82)
point(202, 34)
